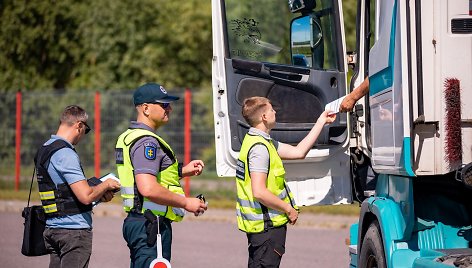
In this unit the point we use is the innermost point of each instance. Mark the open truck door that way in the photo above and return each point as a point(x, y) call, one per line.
point(293, 54)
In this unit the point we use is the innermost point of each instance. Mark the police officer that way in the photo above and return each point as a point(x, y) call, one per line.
point(65, 194)
point(149, 173)
point(265, 204)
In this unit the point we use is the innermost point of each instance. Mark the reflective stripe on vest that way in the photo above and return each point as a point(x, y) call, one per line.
point(168, 178)
point(127, 190)
point(50, 208)
point(254, 217)
point(257, 217)
point(257, 205)
point(46, 195)
point(128, 202)
point(156, 207)
point(153, 206)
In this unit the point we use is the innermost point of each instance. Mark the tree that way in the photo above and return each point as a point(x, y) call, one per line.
point(349, 14)
point(104, 44)
point(39, 43)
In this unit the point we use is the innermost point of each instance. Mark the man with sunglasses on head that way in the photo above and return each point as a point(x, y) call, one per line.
point(65, 194)
point(149, 173)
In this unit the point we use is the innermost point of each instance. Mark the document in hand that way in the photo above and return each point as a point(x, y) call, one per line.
point(334, 105)
point(94, 181)
point(109, 176)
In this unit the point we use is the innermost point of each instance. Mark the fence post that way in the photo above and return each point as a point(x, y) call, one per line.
point(97, 134)
point(187, 135)
point(18, 140)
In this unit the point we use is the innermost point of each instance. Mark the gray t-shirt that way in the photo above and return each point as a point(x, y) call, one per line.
point(147, 156)
point(259, 154)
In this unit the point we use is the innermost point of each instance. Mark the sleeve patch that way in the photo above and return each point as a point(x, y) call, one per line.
point(150, 152)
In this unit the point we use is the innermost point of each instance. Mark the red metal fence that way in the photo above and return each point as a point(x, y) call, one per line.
point(36, 117)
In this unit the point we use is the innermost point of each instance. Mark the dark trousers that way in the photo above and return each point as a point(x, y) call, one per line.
point(266, 248)
point(134, 233)
point(68, 247)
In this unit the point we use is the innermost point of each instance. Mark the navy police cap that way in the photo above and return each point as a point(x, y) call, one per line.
point(152, 93)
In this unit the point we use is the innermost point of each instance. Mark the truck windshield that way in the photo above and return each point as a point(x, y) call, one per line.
point(261, 31)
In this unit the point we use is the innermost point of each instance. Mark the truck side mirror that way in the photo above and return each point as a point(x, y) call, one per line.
point(306, 38)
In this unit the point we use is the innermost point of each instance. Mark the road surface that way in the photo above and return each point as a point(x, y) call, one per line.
point(214, 241)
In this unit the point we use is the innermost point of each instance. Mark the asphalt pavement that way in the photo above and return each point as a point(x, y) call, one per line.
point(211, 240)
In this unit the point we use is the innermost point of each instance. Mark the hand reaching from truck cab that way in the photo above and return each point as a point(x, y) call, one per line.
point(347, 104)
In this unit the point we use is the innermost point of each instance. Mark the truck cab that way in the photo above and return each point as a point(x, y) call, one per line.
point(404, 152)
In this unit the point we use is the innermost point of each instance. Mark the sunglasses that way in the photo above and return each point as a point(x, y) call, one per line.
point(163, 105)
point(87, 128)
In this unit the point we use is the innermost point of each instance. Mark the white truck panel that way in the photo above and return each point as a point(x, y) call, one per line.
point(445, 55)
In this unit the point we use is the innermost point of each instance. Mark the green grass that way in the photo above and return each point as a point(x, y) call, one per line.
point(347, 210)
point(7, 190)
point(20, 195)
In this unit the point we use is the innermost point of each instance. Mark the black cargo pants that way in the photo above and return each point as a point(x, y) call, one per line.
point(266, 248)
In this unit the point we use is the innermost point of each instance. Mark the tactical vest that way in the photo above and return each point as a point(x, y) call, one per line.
point(57, 200)
point(253, 216)
point(133, 201)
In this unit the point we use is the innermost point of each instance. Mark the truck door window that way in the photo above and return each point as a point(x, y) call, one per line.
point(260, 31)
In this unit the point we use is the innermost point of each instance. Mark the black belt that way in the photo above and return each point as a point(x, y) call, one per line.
point(140, 216)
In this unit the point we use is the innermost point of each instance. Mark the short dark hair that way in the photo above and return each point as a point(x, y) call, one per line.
point(253, 108)
point(72, 114)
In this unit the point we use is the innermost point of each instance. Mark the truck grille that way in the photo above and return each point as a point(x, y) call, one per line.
point(461, 26)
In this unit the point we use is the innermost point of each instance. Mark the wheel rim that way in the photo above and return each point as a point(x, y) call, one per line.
point(371, 262)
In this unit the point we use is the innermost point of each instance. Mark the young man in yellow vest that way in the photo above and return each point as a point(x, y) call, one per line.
point(265, 204)
point(149, 174)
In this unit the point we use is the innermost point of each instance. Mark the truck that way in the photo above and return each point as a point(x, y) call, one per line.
point(404, 152)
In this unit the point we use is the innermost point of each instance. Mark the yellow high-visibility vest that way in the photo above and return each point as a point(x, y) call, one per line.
point(254, 217)
point(169, 178)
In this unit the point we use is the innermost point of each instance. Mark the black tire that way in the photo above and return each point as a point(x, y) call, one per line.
point(372, 250)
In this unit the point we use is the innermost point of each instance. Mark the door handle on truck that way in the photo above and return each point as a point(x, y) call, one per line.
point(287, 73)
point(289, 76)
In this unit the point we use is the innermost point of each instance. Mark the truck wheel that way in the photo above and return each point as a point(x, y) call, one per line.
point(372, 252)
